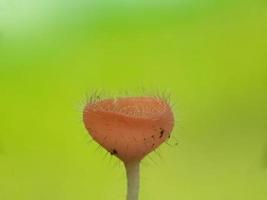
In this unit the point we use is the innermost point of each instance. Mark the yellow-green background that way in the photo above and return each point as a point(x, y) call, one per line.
point(211, 55)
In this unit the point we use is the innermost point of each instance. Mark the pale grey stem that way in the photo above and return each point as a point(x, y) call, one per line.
point(132, 171)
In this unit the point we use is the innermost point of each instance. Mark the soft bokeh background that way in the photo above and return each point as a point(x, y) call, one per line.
point(211, 55)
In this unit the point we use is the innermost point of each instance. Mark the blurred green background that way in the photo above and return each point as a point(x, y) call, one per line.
point(211, 55)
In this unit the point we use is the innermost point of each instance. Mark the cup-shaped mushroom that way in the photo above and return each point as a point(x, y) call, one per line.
point(129, 127)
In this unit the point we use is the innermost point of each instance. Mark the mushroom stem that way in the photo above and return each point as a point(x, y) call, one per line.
point(132, 171)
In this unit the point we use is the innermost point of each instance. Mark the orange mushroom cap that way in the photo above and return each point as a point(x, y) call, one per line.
point(129, 127)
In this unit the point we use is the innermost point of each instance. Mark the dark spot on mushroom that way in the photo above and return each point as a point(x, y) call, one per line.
point(153, 136)
point(114, 152)
point(153, 144)
point(161, 132)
